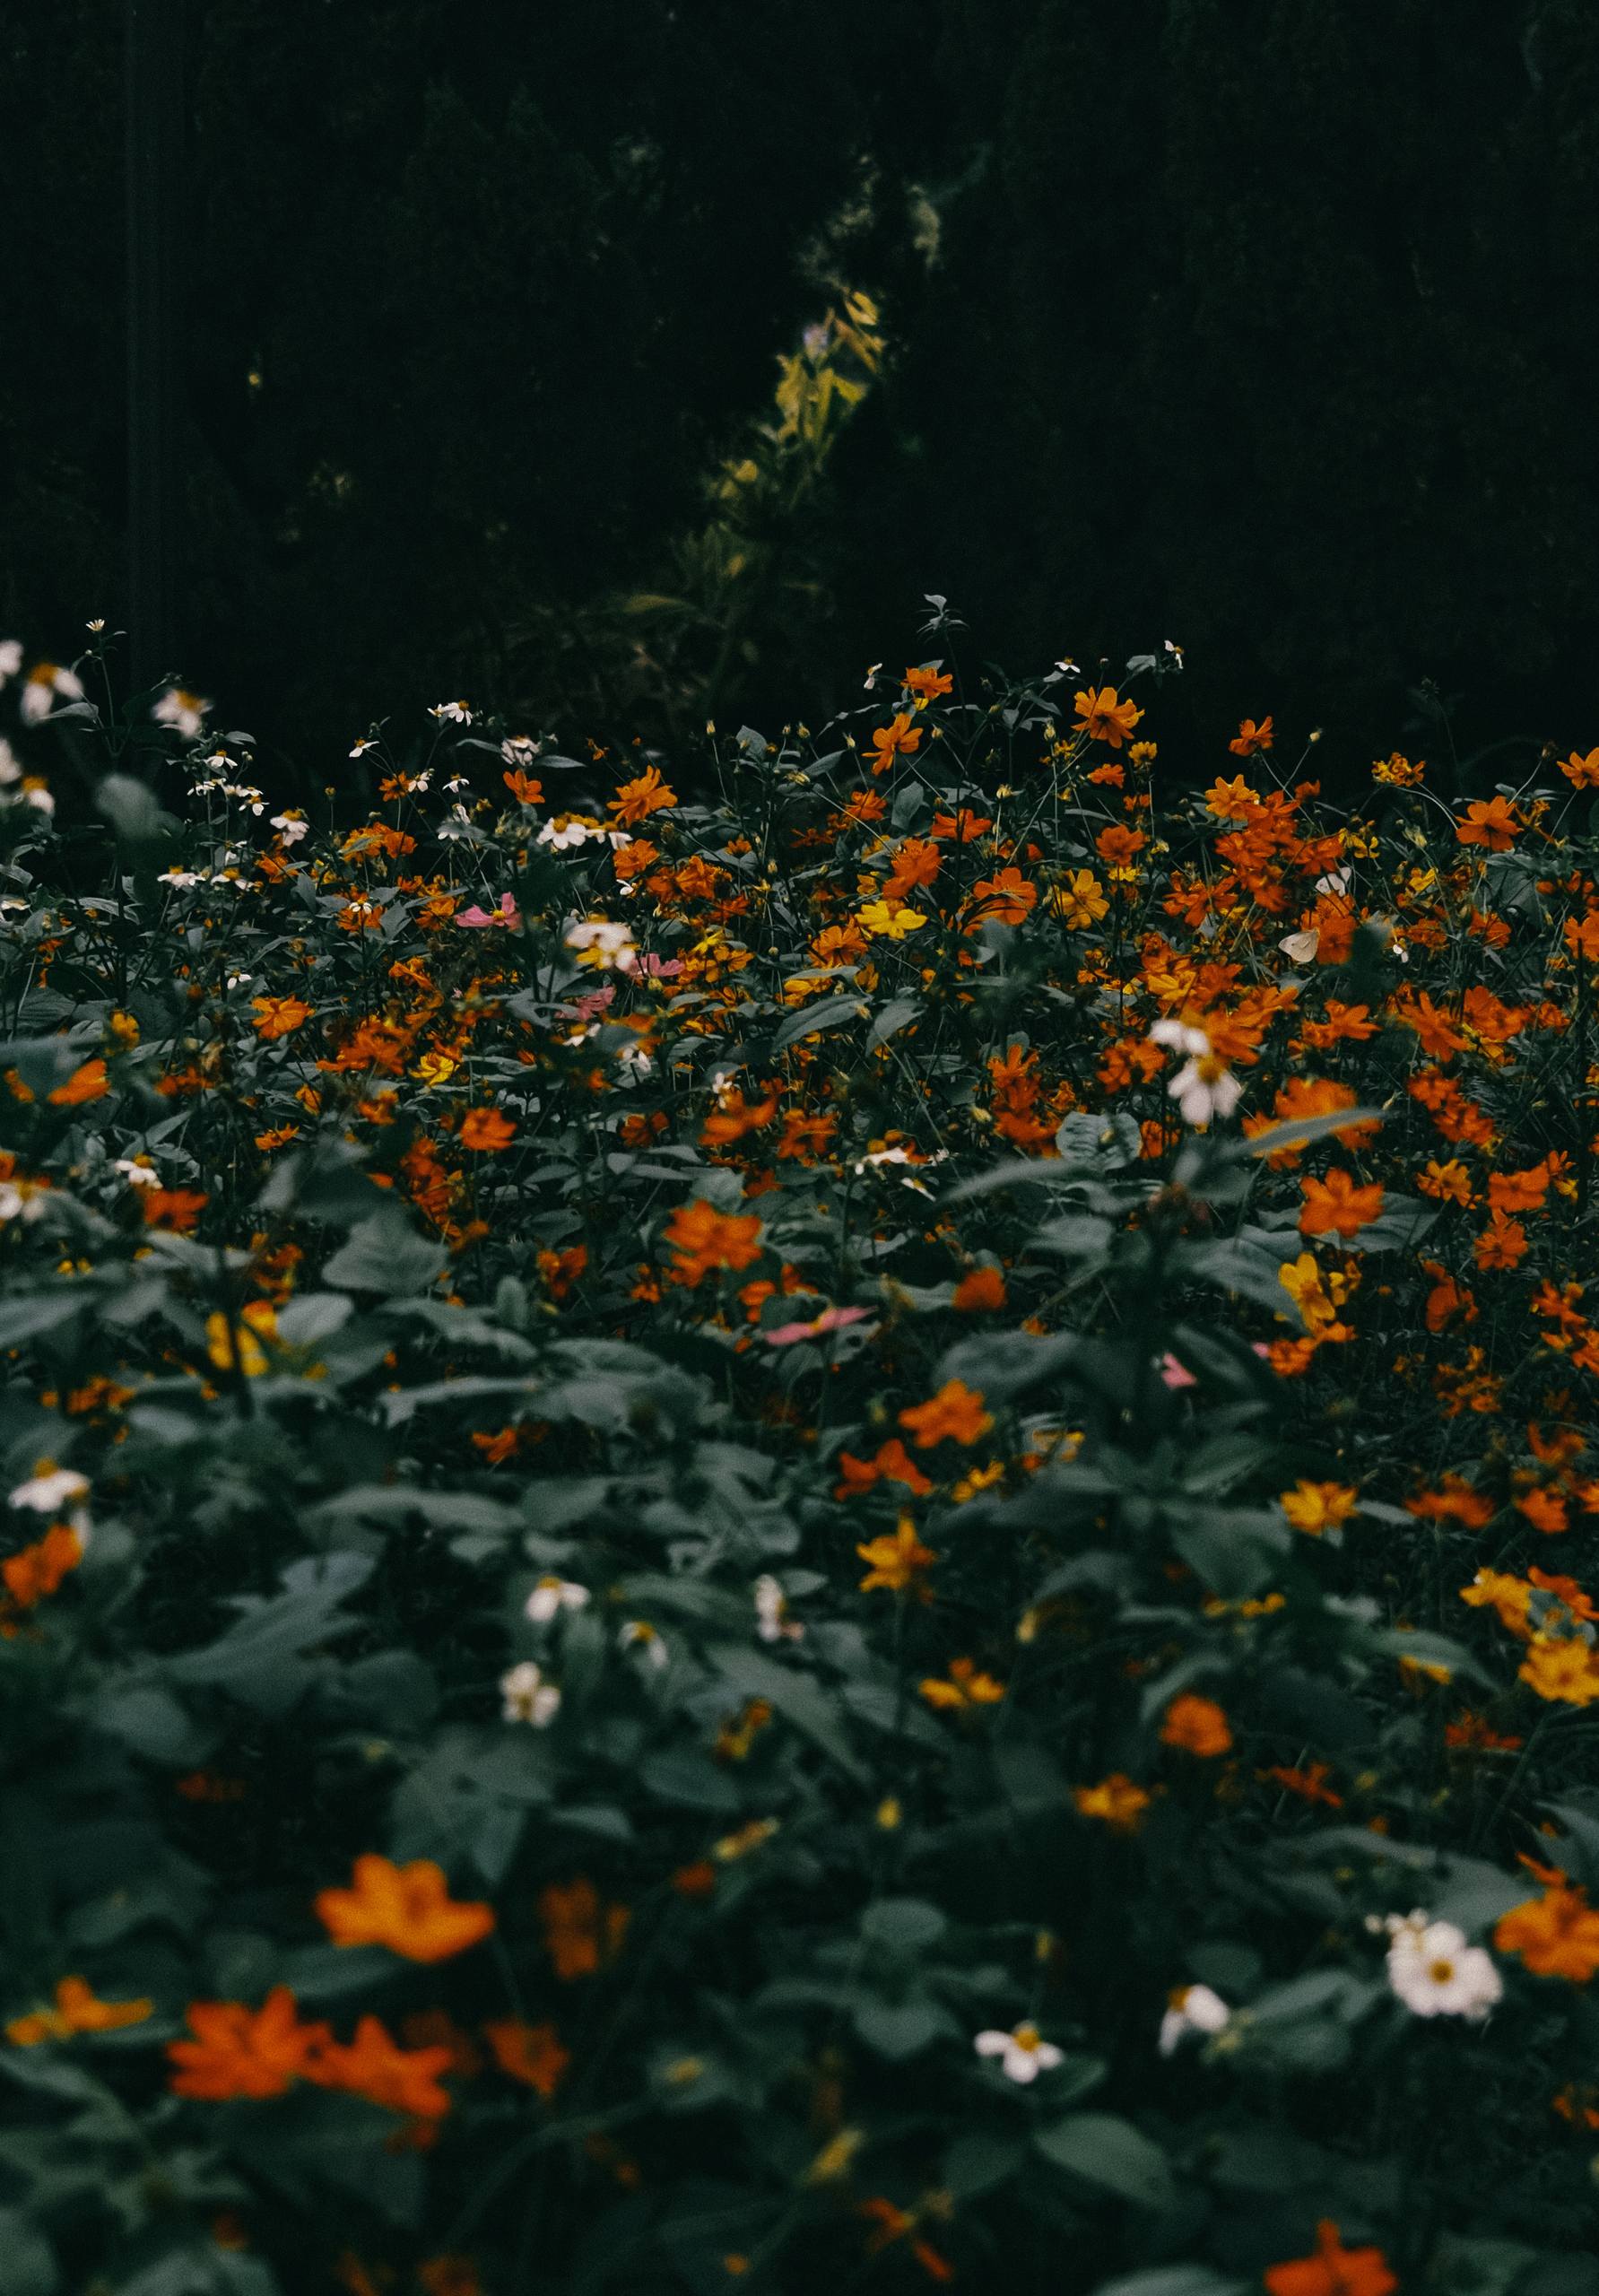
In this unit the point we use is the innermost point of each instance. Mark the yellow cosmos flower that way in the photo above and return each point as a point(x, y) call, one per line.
point(889, 924)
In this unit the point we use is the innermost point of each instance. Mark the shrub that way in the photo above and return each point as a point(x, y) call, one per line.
point(833, 1531)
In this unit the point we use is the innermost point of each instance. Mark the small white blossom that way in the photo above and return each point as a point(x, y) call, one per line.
point(137, 1172)
point(553, 1594)
point(183, 879)
point(23, 1200)
point(46, 682)
point(451, 713)
point(367, 742)
point(565, 831)
point(638, 1635)
point(772, 1621)
point(11, 657)
point(1194, 2009)
point(1022, 2055)
point(186, 711)
point(36, 794)
point(597, 942)
point(528, 1697)
point(10, 770)
point(290, 826)
point(1437, 1974)
point(51, 1489)
point(520, 751)
point(1174, 1036)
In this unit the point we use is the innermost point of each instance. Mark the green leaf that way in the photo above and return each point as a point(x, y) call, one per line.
point(1175, 2280)
point(29, 2266)
point(798, 1697)
point(385, 1254)
point(812, 1020)
point(1104, 2150)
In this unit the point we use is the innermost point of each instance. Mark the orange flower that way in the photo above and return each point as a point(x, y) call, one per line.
point(524, 791)
point(529, 2053)
point(956, 1412)
point(1251, 737)
point(1503, 1243)
point(39, 1569)
point(927, 684)
point(897, 1561)
point(1196, 1725)
point(1318, 1507)
point(578, 1937)
point(980, 1288)
point(1337, 1206)
point(175, 1211)
point(1332, 2271)
point(1556, 1935)
point(488, 1130)
point(373, 2065)
point(890, 740)
point(76, 2011)
point(1118, 849)
point(1114, 1801)
point(1008, 898)
point(1564, 1672)
point(963, 825)
point(89, 1083)
point(1449, 1183)
point(1492, 822)
point(1518, 1191)
point(279, 1016)
point(702, 1237)
point(1234, 800)
point(1105, 718)
point(406, 1908)
point(891, 1463)
point(1309, 1783)
point(1582, 773)
point(916, 862)
point(635, 801)
point(240, 2052)
point(965, 1687)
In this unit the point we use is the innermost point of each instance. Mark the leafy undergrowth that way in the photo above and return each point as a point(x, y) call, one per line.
point(831, 1535)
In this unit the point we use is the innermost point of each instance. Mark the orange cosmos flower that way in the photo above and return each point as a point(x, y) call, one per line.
point(956, 1412)
point(1251, 737)
point(1234, 800)
point(965, 1687)
point(532, 2054)
point(1503, 1243)
point(1119, 849)
point(889, 742)
point(1197, 1726)
point(1009, 897)
point(39, 1569)
point(1336, 1206)
point(980, 1288)
point(963, 826)
point(1105, 718)
point(1114, 1801)
point(1582, 773)
point(891, 1463)
point(487, 1130)
point(240, 2052)
point(76, 2010)
point(1556, 1935)
point(524, 792)
point(373, 2065)
point(1492, 822)
point(1318, 1507)
point(897, 1561)
point(927, 684)
point(1449, 1183)
point(635, 801)
point(1310, 1783)
point(89, 1083)
point(703, 1239)
point(279, 1016)
point(406, 1908)
point(1564, 1672)
point(916, 863)
point(176, 1211)
point(1332, 2271)
point(579, 1935)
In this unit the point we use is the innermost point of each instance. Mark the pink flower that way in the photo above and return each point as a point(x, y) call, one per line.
point(475, 919)
point(661, 968)
point(1175, 1374)
point(829, 1319)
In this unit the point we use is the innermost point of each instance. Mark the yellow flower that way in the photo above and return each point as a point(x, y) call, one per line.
point(227, 1343)
point(1567, 1672)
point(435, 1067)
point(1079, 902)
point(895, 1561)
point(965, 1687)
point(889, 924)
point(1318, 1507)
point(1115, 1800)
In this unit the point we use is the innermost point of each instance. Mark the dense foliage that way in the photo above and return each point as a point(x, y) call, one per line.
point(838, 1536)
point(1260, 324)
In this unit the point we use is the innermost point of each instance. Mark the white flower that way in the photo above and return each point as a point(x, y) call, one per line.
point(528, 1697)
point(772, 1621)
point(1195, 2009)
point(136, 1172)
point(46, 681)
point(638, 1635)
point(635, 1059)
point(1069, 669)
point(186, 711)
point(459, 781)
point(22, 1200)
point(451, 713)
point(552, 1594)
point(1437, 1974)
point(367, 742)
point(520, 751)
point(1022, 2055)
point(239, 979)
point(564, 830)
point(183, 879)
point(11, 657)
point(871, 678)
point(10, 770)
point(36, 794)
point(51, 1489)
point(1177, 1037)
point(246, 796)
point(290, 826)
point(597, 942)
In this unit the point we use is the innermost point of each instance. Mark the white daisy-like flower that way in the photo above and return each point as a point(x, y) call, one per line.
point(597, 942)
point(1021, 2052)
point(528, 1697)
point(50, 1488)
point(182, 709)
point(451, 713)
point(290, 826)
point(47, 682)
point(36, 794)
point(565, 831)
point(638, 1635)
point(367, 742)
point(1175, 1036)
point(1203, 1087)
point(553, 1594)
point(1192, 2009)
point(10, 770)
point(1437, 1974)
point(182, 879)
point(772, 1621)
point(11, 657)
point(520, 751)
point(24, 1200)
point(137, 1171)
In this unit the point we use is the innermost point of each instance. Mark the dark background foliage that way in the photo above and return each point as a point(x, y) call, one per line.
point(1263, 325)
